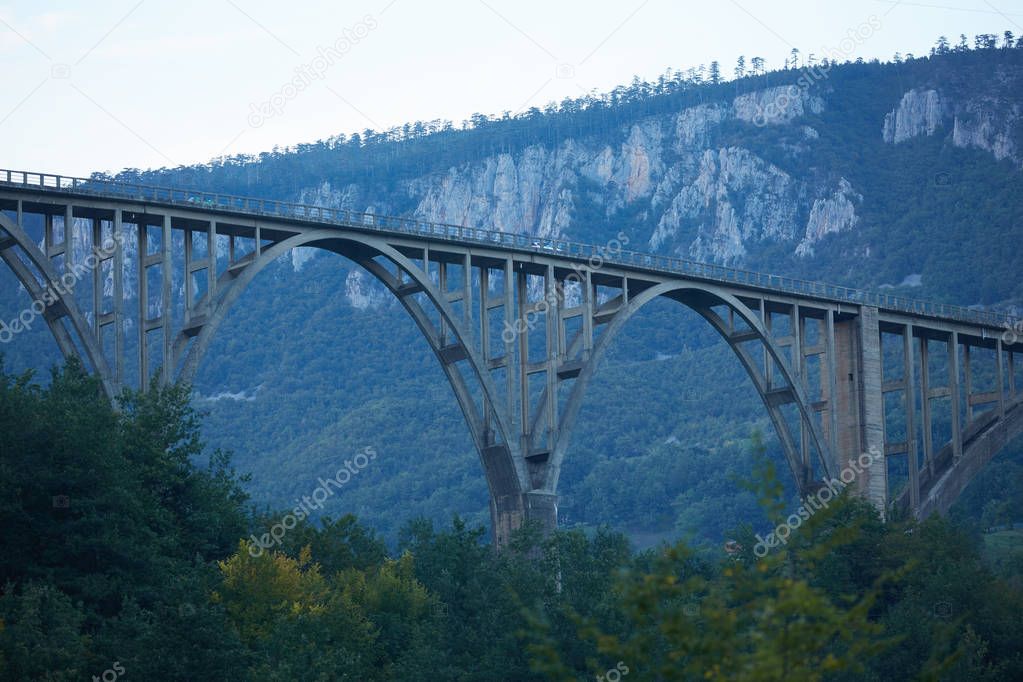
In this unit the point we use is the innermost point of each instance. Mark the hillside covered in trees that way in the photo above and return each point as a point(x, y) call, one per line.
point(902, 174)
point(128, 549)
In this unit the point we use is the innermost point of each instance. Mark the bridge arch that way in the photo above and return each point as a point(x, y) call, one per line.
point(63, 306)
point(504, 472)
point(945, 481)
point(703, 298)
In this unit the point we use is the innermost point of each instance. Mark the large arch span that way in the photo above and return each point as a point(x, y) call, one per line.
point(519, 325)
point(752, 344)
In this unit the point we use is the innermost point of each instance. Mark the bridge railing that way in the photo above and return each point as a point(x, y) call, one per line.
point(654, 262)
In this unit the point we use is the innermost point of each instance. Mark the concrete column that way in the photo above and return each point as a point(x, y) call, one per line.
point(925, 403)
point(799, 367)
point(953, 384)
point(968, 382)
point(845, 394)
point(69, 239)
point(509, 512)
point(860, 403)
point(1012, 375)
point(97, 283)
point(48, 239)
point(506, 516)
point(542, 509)
point(509, 349)
point(211, 273)
point(118, 299)
point(1001, 379)
point(467, 290)
point(442, 276)
point(909, 378)
point(167, 306)
point(588, 308)
point(523, 341)
point(830, 387)
point(553, 320)
point(143, 289)
point(189, 258)
point(768, 360)
point(484, 311)
point(873, 482)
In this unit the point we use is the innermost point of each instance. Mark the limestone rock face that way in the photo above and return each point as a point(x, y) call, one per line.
point(693, 126)
point(836, 213)
point(345, 198)
point(670, 182)
point(363, 292)
point(734, 197)
point(530, 193)
point(920, 112)
point(673, 183)
point(983, 122)
point(982, 127)
point(703, 201)
point(774, 106)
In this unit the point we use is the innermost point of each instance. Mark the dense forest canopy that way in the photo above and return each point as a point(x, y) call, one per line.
point(122, 555)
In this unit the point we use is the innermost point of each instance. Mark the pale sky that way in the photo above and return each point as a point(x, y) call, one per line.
point(103, 86)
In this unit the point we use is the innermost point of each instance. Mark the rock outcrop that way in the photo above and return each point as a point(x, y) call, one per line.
point(984, 122)
point(920, 112)
point(671, 182)
point(734, 197)
point(981, 125)
point(836, 213)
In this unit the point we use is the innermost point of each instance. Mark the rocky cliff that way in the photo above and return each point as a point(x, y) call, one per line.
point(673, 182)
point(984, 122)
point(722, 181)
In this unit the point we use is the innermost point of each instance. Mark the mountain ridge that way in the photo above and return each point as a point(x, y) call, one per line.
point(324, 362)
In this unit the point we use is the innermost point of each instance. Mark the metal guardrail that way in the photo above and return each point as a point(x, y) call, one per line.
point(664, 264)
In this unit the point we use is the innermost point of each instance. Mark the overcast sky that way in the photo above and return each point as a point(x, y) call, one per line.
point(104, 86)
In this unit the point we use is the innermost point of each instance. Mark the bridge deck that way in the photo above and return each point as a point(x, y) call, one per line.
point(50, 184)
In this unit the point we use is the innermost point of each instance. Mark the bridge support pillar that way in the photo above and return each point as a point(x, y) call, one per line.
point(508, 513)
point(873, 482)
point(847, 395)
point(859, 405)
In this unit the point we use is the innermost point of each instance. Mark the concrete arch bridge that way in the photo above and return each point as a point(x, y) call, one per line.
point(519, 324)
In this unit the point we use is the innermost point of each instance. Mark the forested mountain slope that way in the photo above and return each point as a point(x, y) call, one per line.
point(868, 174)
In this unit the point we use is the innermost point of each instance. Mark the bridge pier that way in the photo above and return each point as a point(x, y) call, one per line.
point(508, 513)
point(859, 404)
point(873, 482)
